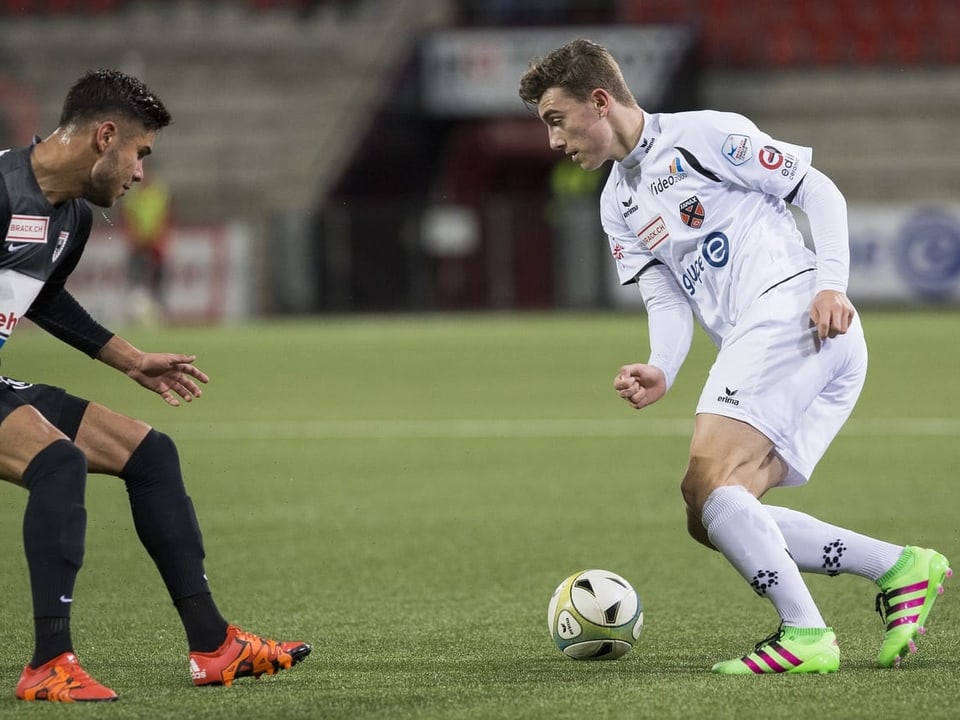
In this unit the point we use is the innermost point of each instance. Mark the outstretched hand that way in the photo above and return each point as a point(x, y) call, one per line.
point(640, 384)
point(170, 375)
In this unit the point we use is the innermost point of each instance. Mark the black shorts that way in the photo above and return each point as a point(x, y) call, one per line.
point(63, 410)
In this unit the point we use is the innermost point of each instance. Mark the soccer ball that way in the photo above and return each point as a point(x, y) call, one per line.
point(595, 615)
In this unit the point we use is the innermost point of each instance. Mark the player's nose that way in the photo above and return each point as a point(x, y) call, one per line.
point(555, 139)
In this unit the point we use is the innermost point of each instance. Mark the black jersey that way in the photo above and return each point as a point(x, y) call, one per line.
point(41, 245)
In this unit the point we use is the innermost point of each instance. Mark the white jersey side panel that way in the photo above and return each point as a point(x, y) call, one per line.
point(17, 293)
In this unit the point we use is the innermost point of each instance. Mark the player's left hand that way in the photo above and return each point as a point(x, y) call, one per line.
point(169, 375)
point(831, 313)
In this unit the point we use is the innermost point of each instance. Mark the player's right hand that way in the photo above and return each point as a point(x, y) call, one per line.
point(169, 375)
point(640, 384)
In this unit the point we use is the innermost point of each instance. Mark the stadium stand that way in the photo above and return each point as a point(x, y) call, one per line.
point(272, 97)
point(268, 102)
point(816, 33)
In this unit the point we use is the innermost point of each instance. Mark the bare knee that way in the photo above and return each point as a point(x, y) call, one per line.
point(702, 477)
point(696, 529)
point(23, 434)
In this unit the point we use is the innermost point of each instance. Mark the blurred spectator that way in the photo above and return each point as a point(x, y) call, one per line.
point(147, 217)
point(579, 271)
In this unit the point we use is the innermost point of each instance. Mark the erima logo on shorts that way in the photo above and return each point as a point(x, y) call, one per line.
point(728, 398)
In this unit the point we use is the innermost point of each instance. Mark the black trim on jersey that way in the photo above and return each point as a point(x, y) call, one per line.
point(59, 313)
point(786, 279)
point(5, 208)
point(695, 164)
point(793, 193)
point(641, 271)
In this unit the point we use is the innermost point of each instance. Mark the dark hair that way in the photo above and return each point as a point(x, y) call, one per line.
point(579, 67)
point(102, 92)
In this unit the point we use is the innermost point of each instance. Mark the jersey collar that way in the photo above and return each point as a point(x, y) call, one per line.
point(644, 144)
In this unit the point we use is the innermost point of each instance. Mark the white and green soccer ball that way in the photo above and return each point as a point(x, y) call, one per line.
point(595, 615)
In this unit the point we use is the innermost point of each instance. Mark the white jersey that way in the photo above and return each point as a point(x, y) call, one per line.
point(703, 194)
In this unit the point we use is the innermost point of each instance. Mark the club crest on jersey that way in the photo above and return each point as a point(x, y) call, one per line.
point(737, 149)
point(61, 243)
point(692, 212)
point(27, 229)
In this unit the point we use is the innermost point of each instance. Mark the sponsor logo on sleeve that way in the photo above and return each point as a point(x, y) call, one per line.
point(27, 229)
point(770, 157)
point(773, 159)
point(737, 149)
point(653, 233)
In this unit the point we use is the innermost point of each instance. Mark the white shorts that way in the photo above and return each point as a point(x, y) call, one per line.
point(774, 374)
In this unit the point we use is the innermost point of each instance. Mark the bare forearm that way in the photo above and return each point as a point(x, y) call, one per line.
point(120, 354)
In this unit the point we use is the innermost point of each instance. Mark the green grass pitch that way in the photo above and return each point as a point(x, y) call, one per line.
point(405, 492)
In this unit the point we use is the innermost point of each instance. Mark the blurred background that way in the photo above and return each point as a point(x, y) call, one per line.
point(347, 156)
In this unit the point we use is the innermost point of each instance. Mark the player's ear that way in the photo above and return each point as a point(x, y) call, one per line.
point(107, 132)
point(601, 101)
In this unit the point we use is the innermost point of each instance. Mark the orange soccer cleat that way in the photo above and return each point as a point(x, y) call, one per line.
point(61, 680)
point(244, 654)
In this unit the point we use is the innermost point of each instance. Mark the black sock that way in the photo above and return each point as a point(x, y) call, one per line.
point(206, 628)
point(52, 638)
point(54, 528)
point(167, 526)
point(163, 515)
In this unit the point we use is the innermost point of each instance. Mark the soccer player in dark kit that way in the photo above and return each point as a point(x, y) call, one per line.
point(50, 439)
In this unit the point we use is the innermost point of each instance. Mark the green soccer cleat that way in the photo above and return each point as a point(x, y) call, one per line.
point(907, 593)
point(788, 650)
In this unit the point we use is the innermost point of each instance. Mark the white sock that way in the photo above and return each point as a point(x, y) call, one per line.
point(747, 536)
point(826, 549)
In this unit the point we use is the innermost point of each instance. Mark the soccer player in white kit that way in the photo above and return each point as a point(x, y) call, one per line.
point(695, 209)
